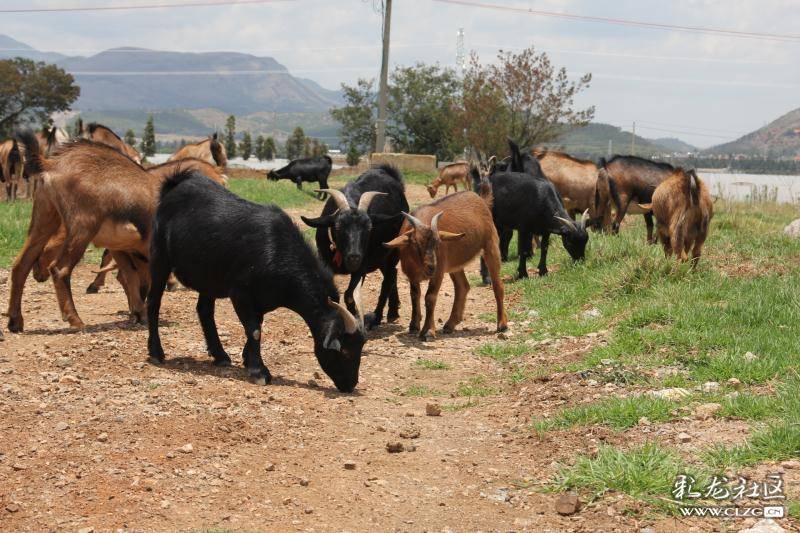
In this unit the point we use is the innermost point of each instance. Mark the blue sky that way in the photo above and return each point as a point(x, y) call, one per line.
point(703, 88)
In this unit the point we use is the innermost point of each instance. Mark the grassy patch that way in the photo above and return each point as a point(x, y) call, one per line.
point(456, 406)
point(262, 191)
point(777, 442)
point(618, 413)
point(475, 388)
point(431, 364)
point(502, 351)
point(14, 220)
point(418, 391)
point(645, 472)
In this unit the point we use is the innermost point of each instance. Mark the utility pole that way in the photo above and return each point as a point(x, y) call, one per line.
point(461, 55)
point(383, 96)
point(633, 140)
point(610, 147)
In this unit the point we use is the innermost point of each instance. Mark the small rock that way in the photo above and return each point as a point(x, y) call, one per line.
point(765, 525)
point(644, 421)
point(606, 362)
point(591, 313)
point(287, 501)
point(705, 411)
point(683, 437)
point(533, 313)
point(102, 437)
point(170, 455)
point(308, 510)
point(735, 383)
point(12, 507)
point(63, 362)
point(791, 465)
point(433, 409)
point(505, 335)
point(86, 530)
point(750, 357)
point(394, 447)
point(710, 386)
point(793, 229)
point(219, 405)
point(61, 426)
point(303, 482)
point(671, 394)
point(18, 466)
point(312, 383)
point(592, 382)
point(410, 433)
point(68, 379)
point(186, 448)
point(568, 504)
point(647, 530)
point(349, 465)
point(164, 504)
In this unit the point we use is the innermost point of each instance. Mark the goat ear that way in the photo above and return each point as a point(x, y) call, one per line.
point(447, 236)
point(399, 242)
point(646, 207)
point(379, 219)
point(320, 222)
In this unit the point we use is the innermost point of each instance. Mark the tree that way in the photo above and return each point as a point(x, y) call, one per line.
point(246, 146)
point(148, 144)
point(296, 143)
point(230, 136)
point(30, 92)
point(270, 149)
point(423, 103)
point(357, 117)
point(259, 149)
point(522, 96)
point(353, 156)
point(130, 138)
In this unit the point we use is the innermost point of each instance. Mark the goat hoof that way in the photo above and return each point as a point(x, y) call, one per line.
point(76, 324)
point(91, 289)
point(413, 329)
point(15, 324)
point(393, 317)
point(156, 360)
point(447, 328)
point(259, 377)
point(502, 327)
point(542, 273)
point(486, 281)
point(372, 321)
point(222, 362)
point(427, 336)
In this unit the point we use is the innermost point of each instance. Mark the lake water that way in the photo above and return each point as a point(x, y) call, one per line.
point(748, 187)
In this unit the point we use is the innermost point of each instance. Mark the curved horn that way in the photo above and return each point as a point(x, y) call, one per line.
point(350, 322)
point(366, 200)
point(357, 300)
point(584, 218)
point(338, 197)
point(415, 222)
point(568, 222)
point(435, 222)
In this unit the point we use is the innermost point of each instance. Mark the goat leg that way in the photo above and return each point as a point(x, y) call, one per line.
point(251, 320)
point(460, 289)
point(100, 280)
point(205, 313)
point(428, 331)
point(159, 272)
point(416, 315)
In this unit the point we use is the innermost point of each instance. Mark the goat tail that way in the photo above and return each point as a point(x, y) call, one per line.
point(35, 162)
point(694, 188)
point(612, 189)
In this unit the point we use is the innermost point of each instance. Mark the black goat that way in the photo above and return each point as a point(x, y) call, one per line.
point(225, 247)
point(354, 224)
point(316, 168)
point(529, 202)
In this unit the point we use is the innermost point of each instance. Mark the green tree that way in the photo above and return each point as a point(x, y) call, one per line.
point(230, 136)
point(522, 96)
point(423, 103)
point(130, 137)
point(357, 117)
point(30, 92)
point(259, 149)
point(246, 146)
point(148, 145)
point(353, 156)
point(296, 143)
point(270, 149)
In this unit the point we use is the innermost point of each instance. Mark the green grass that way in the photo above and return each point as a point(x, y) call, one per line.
point(475, 387)
point(776, 442)
point(14, 220)
point(618, 413)
point(282, 193)
point(644, 472)
point(432, 364)
point(418, 391)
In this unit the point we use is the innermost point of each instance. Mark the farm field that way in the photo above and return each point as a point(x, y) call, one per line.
point(619, 373)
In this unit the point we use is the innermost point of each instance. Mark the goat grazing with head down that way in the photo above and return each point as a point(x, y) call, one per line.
point(223, 246)
point(354, 224)
point(442, 238)
point(449, 176)
point(316, 168)
point(683, 209)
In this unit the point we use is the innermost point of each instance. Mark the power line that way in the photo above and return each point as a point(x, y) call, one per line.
point(628, 22)
point(134, 7)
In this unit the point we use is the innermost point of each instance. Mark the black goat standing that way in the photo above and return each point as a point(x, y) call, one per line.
point(223, 246)
point(354, 224)
point(316, 168)
point(526, 201)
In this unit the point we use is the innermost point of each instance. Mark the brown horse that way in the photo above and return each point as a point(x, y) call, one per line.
point(104, 135)
point(209, 150)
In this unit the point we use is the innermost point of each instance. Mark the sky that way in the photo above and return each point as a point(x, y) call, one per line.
point(705, 89)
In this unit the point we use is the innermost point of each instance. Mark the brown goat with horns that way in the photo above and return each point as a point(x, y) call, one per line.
point(442, 238)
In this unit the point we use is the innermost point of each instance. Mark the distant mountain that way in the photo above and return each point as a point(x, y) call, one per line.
point(595, 140)
point(779, 138)
point(136, 78)
point(674, 145)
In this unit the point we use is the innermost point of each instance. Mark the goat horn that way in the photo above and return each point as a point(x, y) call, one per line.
point(567, 222)
point(357, 299)
point(109, 268)
point(350, 322)
point(584, 218)
point(338, 197)
point(435, 222)
point(417, 223)
point(366, 199)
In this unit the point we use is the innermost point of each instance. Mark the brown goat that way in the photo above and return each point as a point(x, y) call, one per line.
point(11, 167)
point(576, 181)
point(683, 209)
point(162, 172)
point(104, 135)
point(99, 196)
point(442, 238)
point(209, 150)
point(449, 176)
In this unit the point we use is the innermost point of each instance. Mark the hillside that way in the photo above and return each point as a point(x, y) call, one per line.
point(592, 141)
point(779, 138)
point(136, 78)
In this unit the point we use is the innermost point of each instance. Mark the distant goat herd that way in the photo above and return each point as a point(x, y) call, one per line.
point(178, 220)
